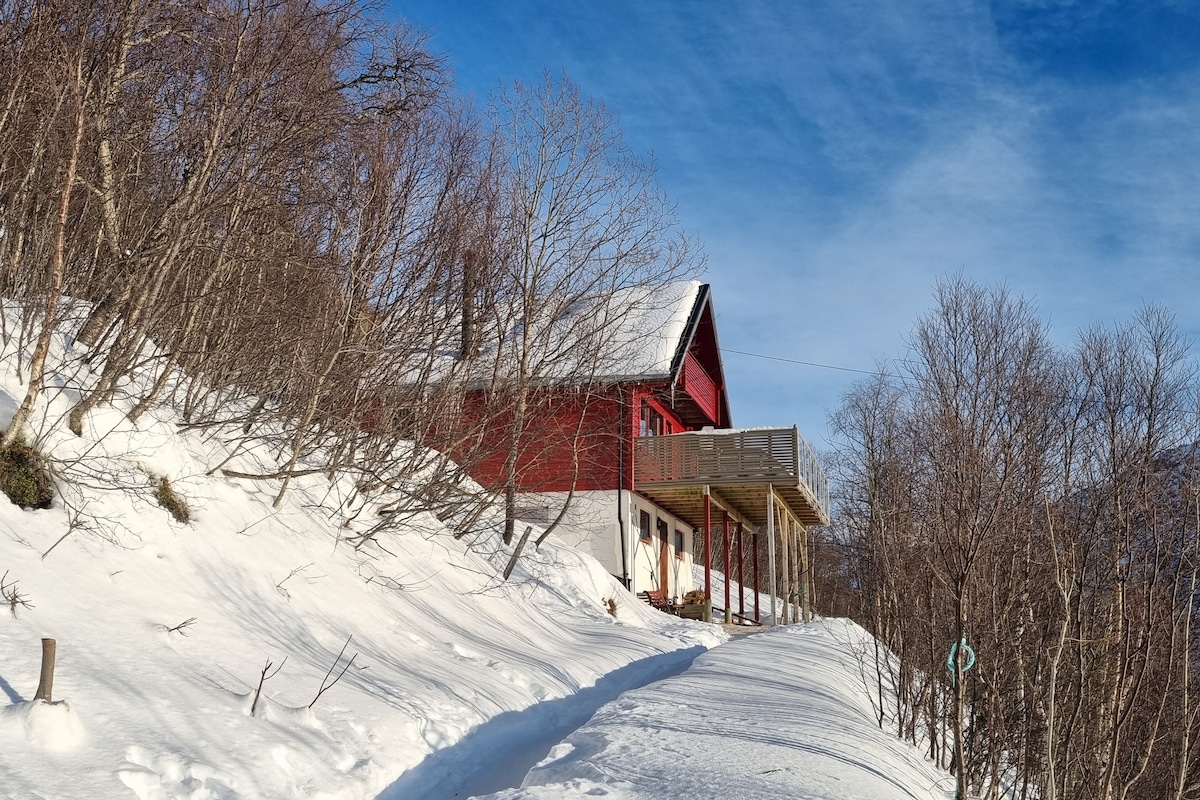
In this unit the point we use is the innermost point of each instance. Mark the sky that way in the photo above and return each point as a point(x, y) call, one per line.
point(837, 158)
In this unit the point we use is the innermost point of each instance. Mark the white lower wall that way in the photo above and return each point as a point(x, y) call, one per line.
point(591, 523)
point(593, 526)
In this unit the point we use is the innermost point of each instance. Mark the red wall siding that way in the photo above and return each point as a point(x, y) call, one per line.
point(544, 461)
point(707, 355)
point(610, 423)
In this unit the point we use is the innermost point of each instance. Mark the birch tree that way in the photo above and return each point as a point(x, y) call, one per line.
point(587, 225)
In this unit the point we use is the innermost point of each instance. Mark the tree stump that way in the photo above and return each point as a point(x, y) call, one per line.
point(45, 690)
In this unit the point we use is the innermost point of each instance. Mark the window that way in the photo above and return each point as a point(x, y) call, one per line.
point(652, 422)
point(644, 525)
point(679, 551)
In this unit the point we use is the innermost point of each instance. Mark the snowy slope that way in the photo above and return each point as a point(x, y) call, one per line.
point(771, 715)
point(441, 647)
point(459, 683)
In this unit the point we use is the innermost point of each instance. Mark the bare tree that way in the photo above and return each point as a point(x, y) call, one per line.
point(1040, 506)
point(589, 238)
point(55, 157)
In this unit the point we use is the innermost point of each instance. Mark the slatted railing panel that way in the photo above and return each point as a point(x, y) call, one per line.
point(770, 455)
point(697, 383)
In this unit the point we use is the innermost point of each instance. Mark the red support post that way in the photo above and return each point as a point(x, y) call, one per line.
point(707, 545)
point(757, 590)
point(728, 571)
point(741, 546)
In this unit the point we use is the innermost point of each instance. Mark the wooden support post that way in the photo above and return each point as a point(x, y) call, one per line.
point(791, 570)
point(728, 571)
point(771, 573)
point(805, 575)
point(757, 586)
point(741, 546)
point(799, 579)
point(784, 526)
point(45, 690)
point(664, 557)
point(794, 594)
point(708, 546)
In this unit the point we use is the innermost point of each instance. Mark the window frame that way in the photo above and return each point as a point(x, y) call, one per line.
point(652, 420)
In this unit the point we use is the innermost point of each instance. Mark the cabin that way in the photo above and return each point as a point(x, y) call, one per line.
point(659, 478)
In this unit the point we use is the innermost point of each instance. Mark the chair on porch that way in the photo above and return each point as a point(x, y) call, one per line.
point(656, 600)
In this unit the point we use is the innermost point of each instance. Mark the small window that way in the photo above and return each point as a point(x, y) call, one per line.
point(652, 422)
point(679, 550)
point(644, 525)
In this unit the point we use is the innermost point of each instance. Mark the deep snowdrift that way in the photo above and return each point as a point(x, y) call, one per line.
point(150, 705)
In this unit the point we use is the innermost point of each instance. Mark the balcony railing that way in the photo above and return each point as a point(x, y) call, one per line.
point(731, 457)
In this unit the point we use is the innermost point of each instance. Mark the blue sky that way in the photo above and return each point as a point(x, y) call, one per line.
point(837, 157)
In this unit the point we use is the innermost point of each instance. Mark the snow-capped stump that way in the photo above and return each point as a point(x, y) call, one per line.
point(45, 690)
point(53, 727)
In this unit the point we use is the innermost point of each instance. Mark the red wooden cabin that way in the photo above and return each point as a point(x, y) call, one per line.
point(642, 464)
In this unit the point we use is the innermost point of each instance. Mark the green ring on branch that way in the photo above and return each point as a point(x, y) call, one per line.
point(952, 658)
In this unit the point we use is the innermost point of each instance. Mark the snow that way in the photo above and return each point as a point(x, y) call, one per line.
point(654, 328)
point(643, 329)
point(457, 684)
point(774, 714)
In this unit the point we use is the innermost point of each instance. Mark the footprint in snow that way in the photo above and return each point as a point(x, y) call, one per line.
point(168, 775)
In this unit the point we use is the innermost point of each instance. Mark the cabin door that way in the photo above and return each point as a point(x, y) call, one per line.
point(664, 558)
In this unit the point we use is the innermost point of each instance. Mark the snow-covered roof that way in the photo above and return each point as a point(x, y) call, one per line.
point(635, 333)
point(654, 325)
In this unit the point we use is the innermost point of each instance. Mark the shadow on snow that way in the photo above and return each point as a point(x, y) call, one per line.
point(498, 753)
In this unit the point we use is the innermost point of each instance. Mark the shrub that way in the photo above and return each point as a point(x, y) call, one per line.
point(172, 501)
point(23, 476)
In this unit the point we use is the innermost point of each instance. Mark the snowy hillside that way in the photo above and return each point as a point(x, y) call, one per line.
point(453, 683)
point(164, 629)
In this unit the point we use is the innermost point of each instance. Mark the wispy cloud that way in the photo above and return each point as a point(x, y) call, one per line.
point(838, 157)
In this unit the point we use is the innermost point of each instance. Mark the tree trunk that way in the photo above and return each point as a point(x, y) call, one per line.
point(959, 712)
point(37, 364)
point(45, 690)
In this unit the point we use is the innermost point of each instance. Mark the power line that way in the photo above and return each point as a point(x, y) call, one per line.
point(802, 363)
point(908, 378)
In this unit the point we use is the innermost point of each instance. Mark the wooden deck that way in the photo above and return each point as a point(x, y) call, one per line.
point(738, 467)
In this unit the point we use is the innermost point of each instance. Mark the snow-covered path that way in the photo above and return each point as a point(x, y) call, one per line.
point(497, 755)
point(779, 714)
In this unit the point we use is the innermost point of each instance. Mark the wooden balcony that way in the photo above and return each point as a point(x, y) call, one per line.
point(738, 466)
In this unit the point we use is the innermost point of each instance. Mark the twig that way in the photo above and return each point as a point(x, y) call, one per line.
point(279, 586)
point(182, 627)
point(13, 596)
point(263, 678)
point(324, 685)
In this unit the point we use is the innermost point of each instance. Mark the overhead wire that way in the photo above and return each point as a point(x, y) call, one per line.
point(802, 363)
point(908, 378)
